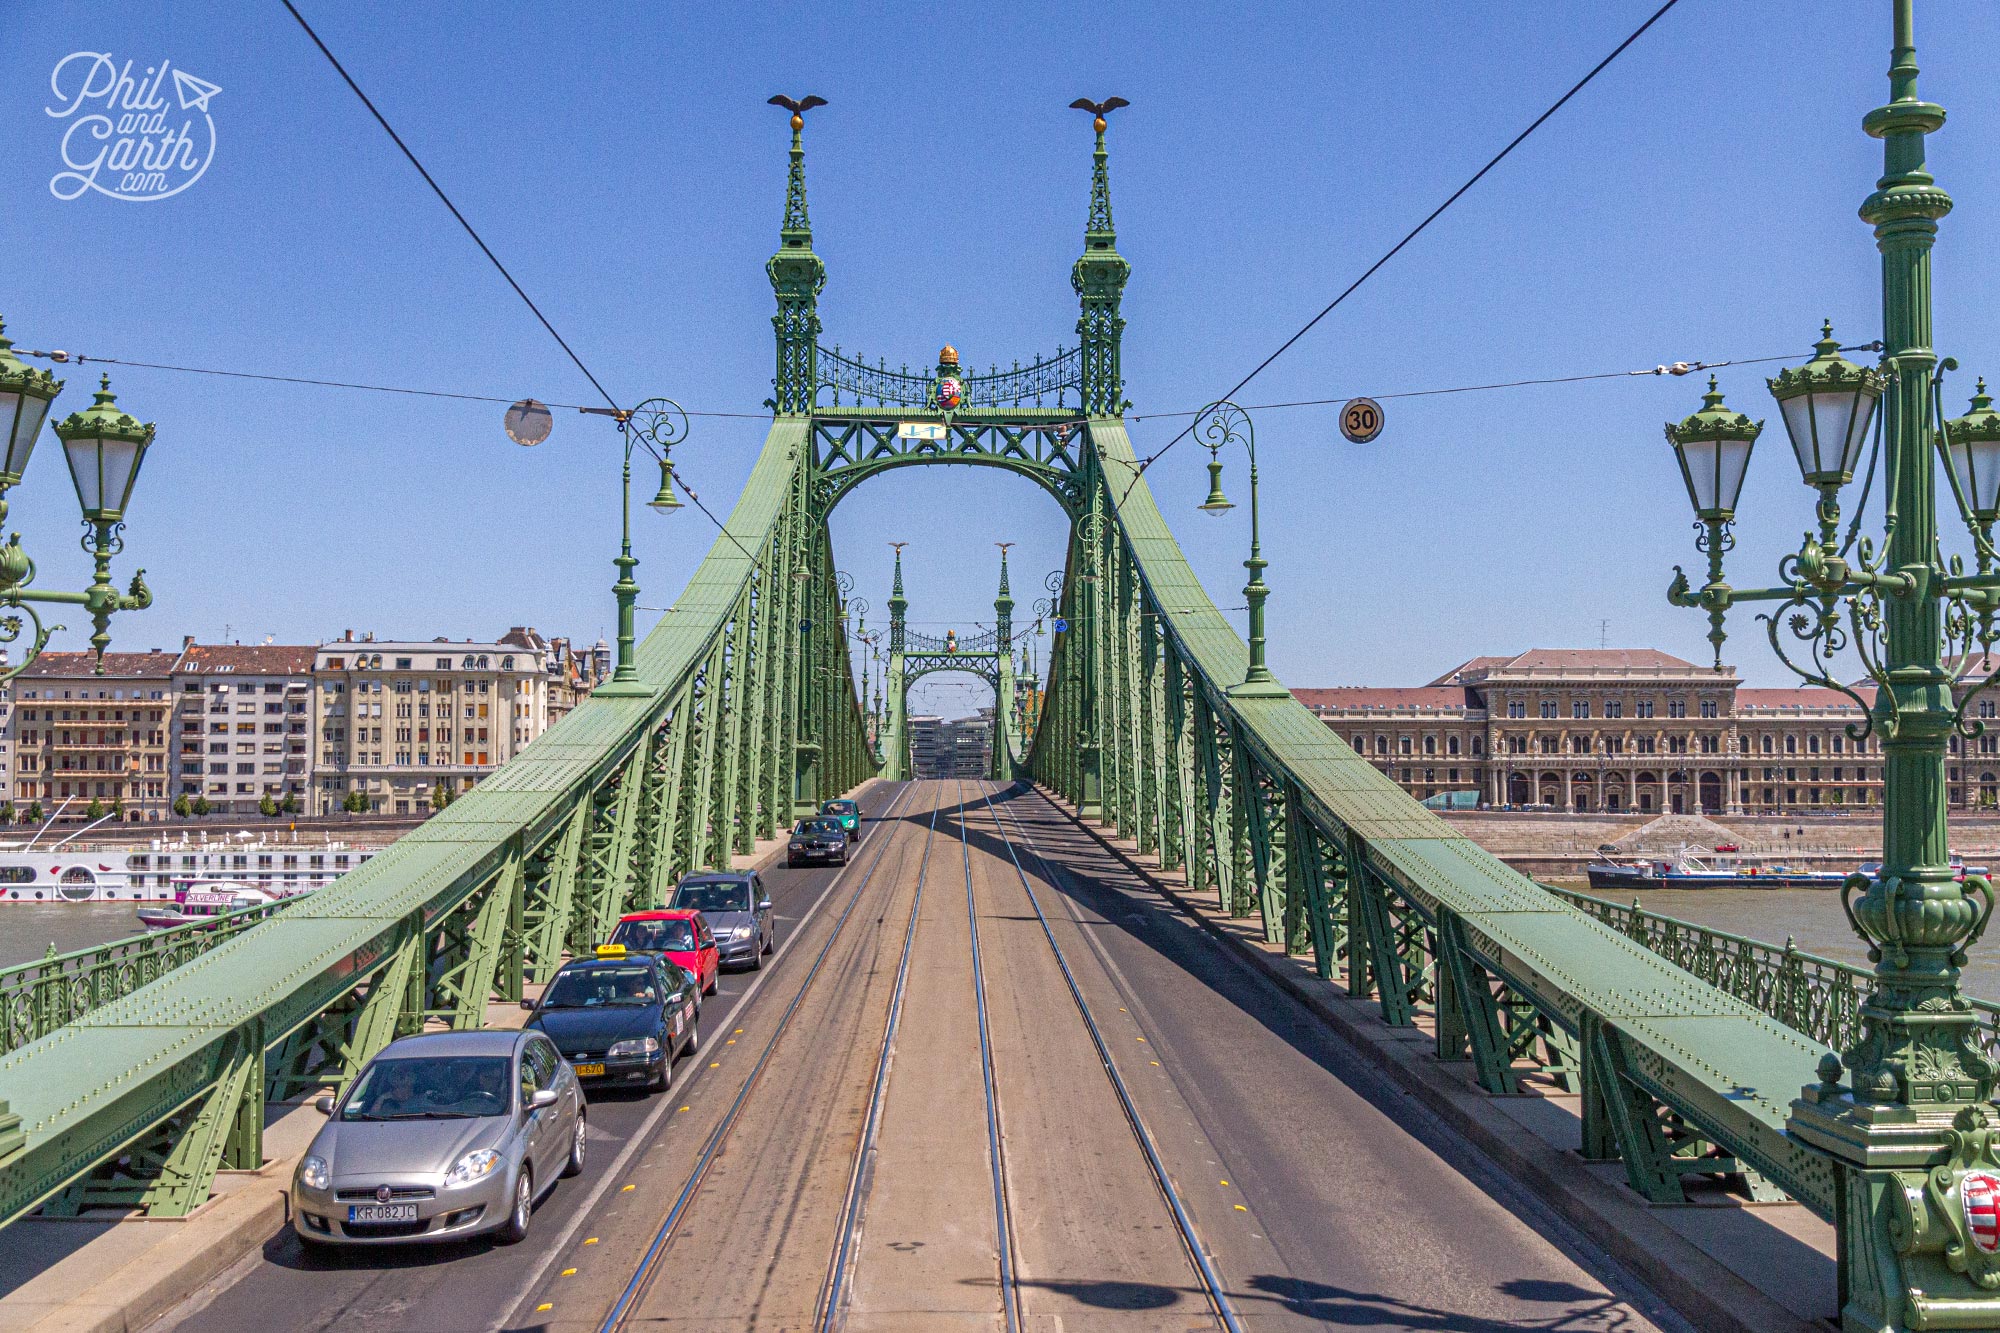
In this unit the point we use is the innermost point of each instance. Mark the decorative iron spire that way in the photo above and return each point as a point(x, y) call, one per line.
point(797, 275)
point(1003, 605)
point(1098, 278)
point(898, 603)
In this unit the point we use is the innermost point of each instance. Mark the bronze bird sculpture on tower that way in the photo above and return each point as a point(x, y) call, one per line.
point(1099, 110)
point(798, 107)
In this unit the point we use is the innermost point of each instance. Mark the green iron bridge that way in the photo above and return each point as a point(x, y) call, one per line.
point(744, 710)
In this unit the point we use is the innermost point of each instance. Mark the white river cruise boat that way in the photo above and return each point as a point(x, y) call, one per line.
point(73, 871)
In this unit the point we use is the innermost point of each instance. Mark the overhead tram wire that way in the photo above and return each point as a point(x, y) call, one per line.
point(445, 199)
point(1414, 232)
point(1676, 368)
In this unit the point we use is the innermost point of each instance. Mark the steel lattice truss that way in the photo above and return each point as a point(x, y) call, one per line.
point(748, 713)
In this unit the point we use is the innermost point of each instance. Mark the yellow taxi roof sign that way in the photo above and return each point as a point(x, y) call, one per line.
point(610, 951)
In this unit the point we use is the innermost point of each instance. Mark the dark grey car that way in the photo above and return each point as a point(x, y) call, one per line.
point(737, 908)
point(442, 1136)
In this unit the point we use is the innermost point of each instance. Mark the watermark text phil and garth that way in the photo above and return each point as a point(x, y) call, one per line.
point(125, 138)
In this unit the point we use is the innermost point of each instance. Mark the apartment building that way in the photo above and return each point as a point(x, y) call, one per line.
point(82, 740)
point(397, 720)
point(242, 722)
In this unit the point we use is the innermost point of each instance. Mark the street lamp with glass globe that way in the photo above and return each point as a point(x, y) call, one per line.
point(105, 447)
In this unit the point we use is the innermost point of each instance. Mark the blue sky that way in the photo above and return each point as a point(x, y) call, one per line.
point(1697, 202)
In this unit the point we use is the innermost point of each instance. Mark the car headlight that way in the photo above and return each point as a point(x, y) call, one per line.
point(637, 1046)
point(472, 1168)
point(739, 932)
point(314, 1173)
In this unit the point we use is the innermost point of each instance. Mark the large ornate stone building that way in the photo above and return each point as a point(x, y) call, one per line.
point(1629, 729)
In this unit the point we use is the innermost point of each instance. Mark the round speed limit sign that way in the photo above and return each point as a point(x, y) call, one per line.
point(1361, 420)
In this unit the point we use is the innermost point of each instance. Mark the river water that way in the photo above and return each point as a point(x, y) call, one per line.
point(27, 929)
point(1810, 917)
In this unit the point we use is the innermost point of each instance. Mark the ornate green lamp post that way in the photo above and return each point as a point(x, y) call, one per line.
point(659, 424)
point(105, 446)
point(1905, 1114)
point(1217, 425)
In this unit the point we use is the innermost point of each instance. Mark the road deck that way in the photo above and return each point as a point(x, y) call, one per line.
point(1322, 1197)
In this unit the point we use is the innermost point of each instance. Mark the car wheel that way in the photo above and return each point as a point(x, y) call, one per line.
point(713, 982)
point(792, 863)
point(771, 942)
point(665, 1078)
point(523, 1212)
point(694, 1036)
point(578, 1147)
point(756, 959)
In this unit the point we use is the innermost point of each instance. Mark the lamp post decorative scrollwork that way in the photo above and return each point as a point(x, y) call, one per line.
point(105, 446)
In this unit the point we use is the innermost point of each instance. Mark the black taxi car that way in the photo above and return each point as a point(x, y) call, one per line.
point(620, 1018)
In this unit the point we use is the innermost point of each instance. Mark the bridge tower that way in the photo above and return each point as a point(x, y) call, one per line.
point(896, 746)
point(1003, 686)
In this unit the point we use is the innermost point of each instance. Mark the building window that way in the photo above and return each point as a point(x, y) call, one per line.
point(1548, 708)
point(1677, 708)
point(1613, 708)
point(1451, 746)
point(1708, 708)
point(1515, 708)
point(1579, 708)
point(1643, 708)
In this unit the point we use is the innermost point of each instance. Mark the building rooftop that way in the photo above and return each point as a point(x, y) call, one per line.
point(1798, 698)
point(79, 665)
point(1430, 697)
point(266, 659)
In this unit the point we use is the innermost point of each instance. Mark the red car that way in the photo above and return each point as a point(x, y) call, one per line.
point(682, 934)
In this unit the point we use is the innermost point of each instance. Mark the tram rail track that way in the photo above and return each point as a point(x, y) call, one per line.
point(828, 1316)
point(1211, 1282)
point(635, 1290)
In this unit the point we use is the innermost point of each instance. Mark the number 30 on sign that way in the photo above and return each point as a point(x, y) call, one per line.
point(1361, 420)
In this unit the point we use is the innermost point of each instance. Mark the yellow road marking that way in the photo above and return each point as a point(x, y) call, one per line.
point(682, 1109)
point(713, 1065)
point(591, 1241)
point(1225, 1184)
point(569, 1272)
point(628, 1189)
point(543, 1306)
point(1241, 1209)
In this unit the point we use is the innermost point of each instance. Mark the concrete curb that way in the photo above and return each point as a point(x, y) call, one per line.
point(136, 1293)
point(1703, 1290)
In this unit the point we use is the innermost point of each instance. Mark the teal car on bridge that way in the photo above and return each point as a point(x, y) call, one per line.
point(849, 815)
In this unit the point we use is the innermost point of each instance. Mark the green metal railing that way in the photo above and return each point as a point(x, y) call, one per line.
point(39, 997)
point(1819, 997)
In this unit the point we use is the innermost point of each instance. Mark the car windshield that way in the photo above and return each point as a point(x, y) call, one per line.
point(589, 987)
point(714, 896)
point(818, 826)
point(437, 1087)
point(839, 808)
point(654, 936)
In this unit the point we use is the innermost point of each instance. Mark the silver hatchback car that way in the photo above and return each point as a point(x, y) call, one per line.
point(442, 1136)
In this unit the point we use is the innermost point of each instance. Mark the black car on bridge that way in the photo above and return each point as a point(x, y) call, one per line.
point(620, 1018)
